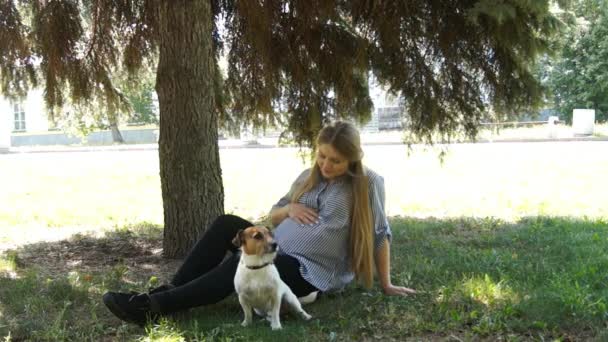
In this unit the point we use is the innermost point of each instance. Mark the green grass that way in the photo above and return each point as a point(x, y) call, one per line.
point(505, 241)
point(538, 278)
point(118, 188)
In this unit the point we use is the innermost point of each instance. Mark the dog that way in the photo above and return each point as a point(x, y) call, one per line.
point(257, 281)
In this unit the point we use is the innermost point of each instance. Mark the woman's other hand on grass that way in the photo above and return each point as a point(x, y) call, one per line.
point(392, 290)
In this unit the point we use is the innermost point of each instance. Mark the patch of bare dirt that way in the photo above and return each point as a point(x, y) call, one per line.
point(89, 256)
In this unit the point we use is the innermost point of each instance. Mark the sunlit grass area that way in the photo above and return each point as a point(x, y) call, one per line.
point(106, 189)
point(503, 241)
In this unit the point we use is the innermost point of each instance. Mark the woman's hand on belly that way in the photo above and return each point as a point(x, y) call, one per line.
point(303, 214)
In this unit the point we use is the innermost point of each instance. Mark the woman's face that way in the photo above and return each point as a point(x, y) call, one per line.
point(331, 163)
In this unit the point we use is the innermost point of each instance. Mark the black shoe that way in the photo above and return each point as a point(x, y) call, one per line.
point(129, 307)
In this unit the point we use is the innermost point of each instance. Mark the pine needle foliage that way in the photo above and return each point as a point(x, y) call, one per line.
point(451, 61)
point(297, 63)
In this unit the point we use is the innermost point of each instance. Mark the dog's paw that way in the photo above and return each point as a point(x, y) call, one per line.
point(245, 323)
point(306, 316)
point(276, 326)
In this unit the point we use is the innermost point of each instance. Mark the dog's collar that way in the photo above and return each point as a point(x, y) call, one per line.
point(257, 267)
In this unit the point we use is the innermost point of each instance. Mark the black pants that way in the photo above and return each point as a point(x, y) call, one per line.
point(204, 279)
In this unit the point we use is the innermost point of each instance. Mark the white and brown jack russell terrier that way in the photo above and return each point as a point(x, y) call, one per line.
point(257, 281)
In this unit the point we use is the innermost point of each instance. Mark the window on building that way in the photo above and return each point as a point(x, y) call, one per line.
point(390, 118)
point(19, 117)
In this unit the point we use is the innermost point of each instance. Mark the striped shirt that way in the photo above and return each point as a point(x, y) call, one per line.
point(323, 248)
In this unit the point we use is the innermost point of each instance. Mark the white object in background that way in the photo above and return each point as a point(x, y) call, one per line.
point(5, 134)
point(583, 121)
point(552, 126)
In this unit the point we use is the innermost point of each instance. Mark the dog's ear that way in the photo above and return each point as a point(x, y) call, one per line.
point(238, 241)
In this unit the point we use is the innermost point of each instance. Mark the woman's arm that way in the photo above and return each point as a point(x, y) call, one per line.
point(277, 215)
point(383, 266)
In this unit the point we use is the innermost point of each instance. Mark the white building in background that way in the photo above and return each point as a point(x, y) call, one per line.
point(23, 115)
point(5, 136)
point(388, 110)
point(28, 116)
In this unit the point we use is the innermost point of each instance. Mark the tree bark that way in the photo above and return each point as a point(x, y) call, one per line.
point(190, 173)
point(116, 135)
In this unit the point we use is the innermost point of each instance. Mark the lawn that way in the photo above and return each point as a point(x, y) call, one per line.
point(505, 241)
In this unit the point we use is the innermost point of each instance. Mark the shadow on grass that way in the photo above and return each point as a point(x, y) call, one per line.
point(52, 290)
point(485, 279)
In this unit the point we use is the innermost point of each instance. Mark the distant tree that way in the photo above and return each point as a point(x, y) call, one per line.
point(137, 106)
point(141, 96)
point(82, 118)
point(578, 76)
point(450, 60)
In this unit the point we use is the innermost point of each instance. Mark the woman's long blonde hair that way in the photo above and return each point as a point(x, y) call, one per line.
point(344, 138)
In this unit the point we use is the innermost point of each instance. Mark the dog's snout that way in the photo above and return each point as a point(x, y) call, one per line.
point(273, 246)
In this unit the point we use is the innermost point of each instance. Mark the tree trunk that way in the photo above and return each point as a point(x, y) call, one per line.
point(191, 180)
point(116, 135)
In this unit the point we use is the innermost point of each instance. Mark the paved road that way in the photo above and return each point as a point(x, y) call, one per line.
point(384, 139)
